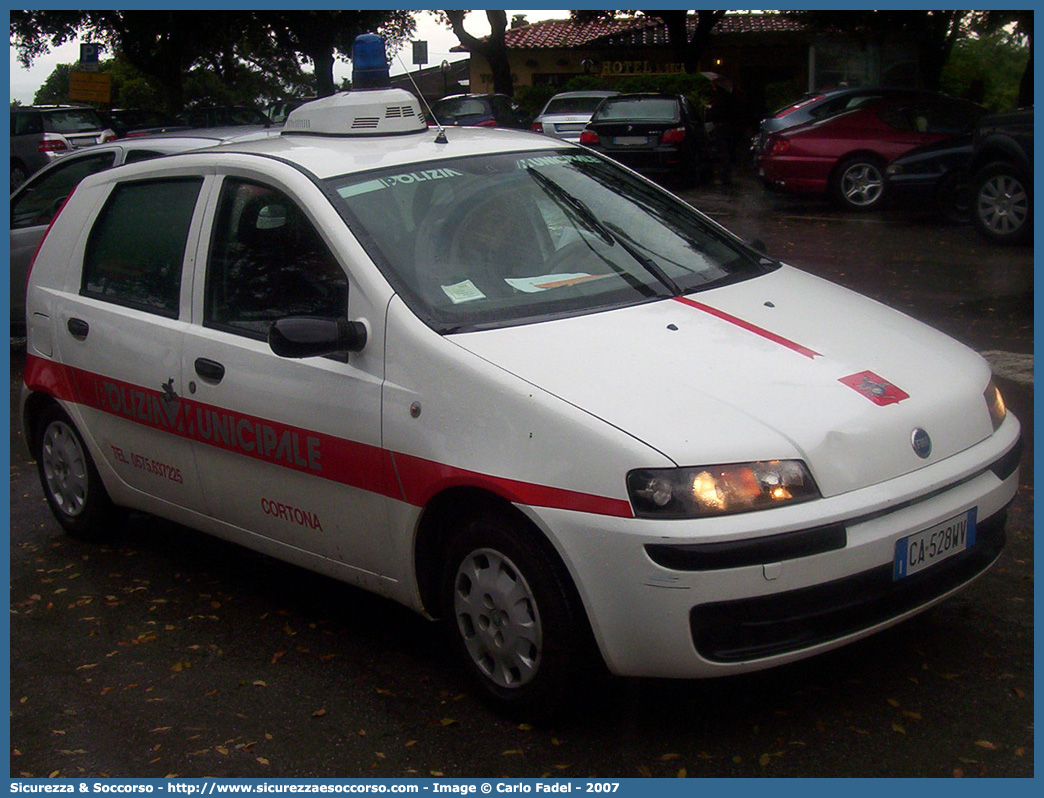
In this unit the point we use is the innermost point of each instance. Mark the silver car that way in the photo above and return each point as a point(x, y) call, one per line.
point(566, 115)
point(40, 134)
point(35, 203)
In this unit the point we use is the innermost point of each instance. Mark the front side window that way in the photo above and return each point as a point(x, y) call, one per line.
point(267, 262)
point(42, 197)
point(136, 250)
point(496, 240)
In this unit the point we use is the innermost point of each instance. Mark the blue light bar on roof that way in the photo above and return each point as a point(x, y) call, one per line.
point(369, 63)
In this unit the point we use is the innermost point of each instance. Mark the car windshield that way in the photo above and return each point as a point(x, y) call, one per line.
point(652, 109)
point(497, 240)
point(76, 120)
point(573, 105)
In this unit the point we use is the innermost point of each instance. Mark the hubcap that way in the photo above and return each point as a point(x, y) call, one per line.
point(497, 618)
point(1003, 204)
point(862, 184)
point(65, 468)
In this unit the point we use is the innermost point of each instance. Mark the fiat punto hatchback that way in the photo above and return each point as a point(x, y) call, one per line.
point(514, 386)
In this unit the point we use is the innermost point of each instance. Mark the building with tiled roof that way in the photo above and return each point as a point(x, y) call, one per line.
point(764, 56)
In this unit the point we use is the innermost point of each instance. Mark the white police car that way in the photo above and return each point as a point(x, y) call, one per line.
point(510, 384)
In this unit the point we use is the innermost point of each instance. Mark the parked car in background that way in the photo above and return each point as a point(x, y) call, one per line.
point(824, 104)
point(222, 116)
point(35, 203)
point(41, 133)
point(566, 115)
point(651, 133)
point(1002, 182)
point(935, 175)
point(129, 121)
point(846, 155)
point(478, 110)
point(279, 110)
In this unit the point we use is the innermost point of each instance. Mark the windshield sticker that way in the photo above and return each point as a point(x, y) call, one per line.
point(531, 285)
point(464, 291)
point(397, 180)
point(555, 160)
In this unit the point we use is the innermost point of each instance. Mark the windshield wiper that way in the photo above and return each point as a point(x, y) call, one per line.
point(585, 214)
point(605, 230)
point(647, 263)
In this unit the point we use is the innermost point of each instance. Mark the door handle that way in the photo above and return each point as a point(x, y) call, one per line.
point(78, 329)
point(209, 370)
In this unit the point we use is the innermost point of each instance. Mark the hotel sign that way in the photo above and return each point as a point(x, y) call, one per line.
point(626, 68)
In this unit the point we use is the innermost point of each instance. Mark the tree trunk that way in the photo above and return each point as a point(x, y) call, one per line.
point(493, 49)
point(323, 64)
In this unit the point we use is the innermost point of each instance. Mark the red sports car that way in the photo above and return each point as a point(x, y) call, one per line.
point(846, 155)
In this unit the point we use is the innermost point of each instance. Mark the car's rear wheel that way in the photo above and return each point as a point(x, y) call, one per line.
point(1002, 203)
point(512, 615)
point(70, 480)
point(858, 183)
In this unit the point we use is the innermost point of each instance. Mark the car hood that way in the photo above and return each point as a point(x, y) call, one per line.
point(781, 366)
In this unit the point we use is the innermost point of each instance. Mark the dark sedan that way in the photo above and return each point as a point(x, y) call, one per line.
point(478, 110)
point(934, 176)
point(651, 133)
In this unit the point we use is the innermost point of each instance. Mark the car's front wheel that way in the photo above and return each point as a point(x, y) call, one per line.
point(858, 183)
point(514, 621)
point(1002, 203)
point(70, 480)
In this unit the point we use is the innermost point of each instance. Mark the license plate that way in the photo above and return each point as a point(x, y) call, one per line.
point(926, 548)
point(627, 141)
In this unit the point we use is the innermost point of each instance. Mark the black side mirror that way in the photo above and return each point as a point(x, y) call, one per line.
point(757, 245)
point(306, 336)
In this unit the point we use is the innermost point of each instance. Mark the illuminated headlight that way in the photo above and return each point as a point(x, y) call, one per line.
point(718, 490)
point(995, 402)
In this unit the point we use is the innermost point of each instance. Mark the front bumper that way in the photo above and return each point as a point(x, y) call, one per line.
point(774, 602)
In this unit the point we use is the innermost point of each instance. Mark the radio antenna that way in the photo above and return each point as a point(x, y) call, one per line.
point(441, 137)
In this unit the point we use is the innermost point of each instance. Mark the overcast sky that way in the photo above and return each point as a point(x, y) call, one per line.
point(25, 83)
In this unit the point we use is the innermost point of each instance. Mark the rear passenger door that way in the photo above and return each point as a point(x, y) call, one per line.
point(287, 449)
point(120, 331)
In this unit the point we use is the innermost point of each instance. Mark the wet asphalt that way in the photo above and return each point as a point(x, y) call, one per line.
point(165, 652)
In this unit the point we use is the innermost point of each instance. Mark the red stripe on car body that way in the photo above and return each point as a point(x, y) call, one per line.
point(746, 325)
point(372, 468)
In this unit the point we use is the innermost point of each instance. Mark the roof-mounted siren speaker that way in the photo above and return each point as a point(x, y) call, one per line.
point(369, 63)
point(371, 108)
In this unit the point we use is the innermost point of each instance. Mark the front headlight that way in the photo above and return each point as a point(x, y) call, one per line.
point(995, 403)
point(701, 491)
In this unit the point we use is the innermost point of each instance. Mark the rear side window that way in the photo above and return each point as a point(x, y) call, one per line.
point(29, 124)
point(136, 249)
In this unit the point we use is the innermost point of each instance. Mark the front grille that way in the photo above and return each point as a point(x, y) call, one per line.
point(754, 628)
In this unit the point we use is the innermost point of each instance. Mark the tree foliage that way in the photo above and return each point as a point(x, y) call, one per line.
point(213, 55)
